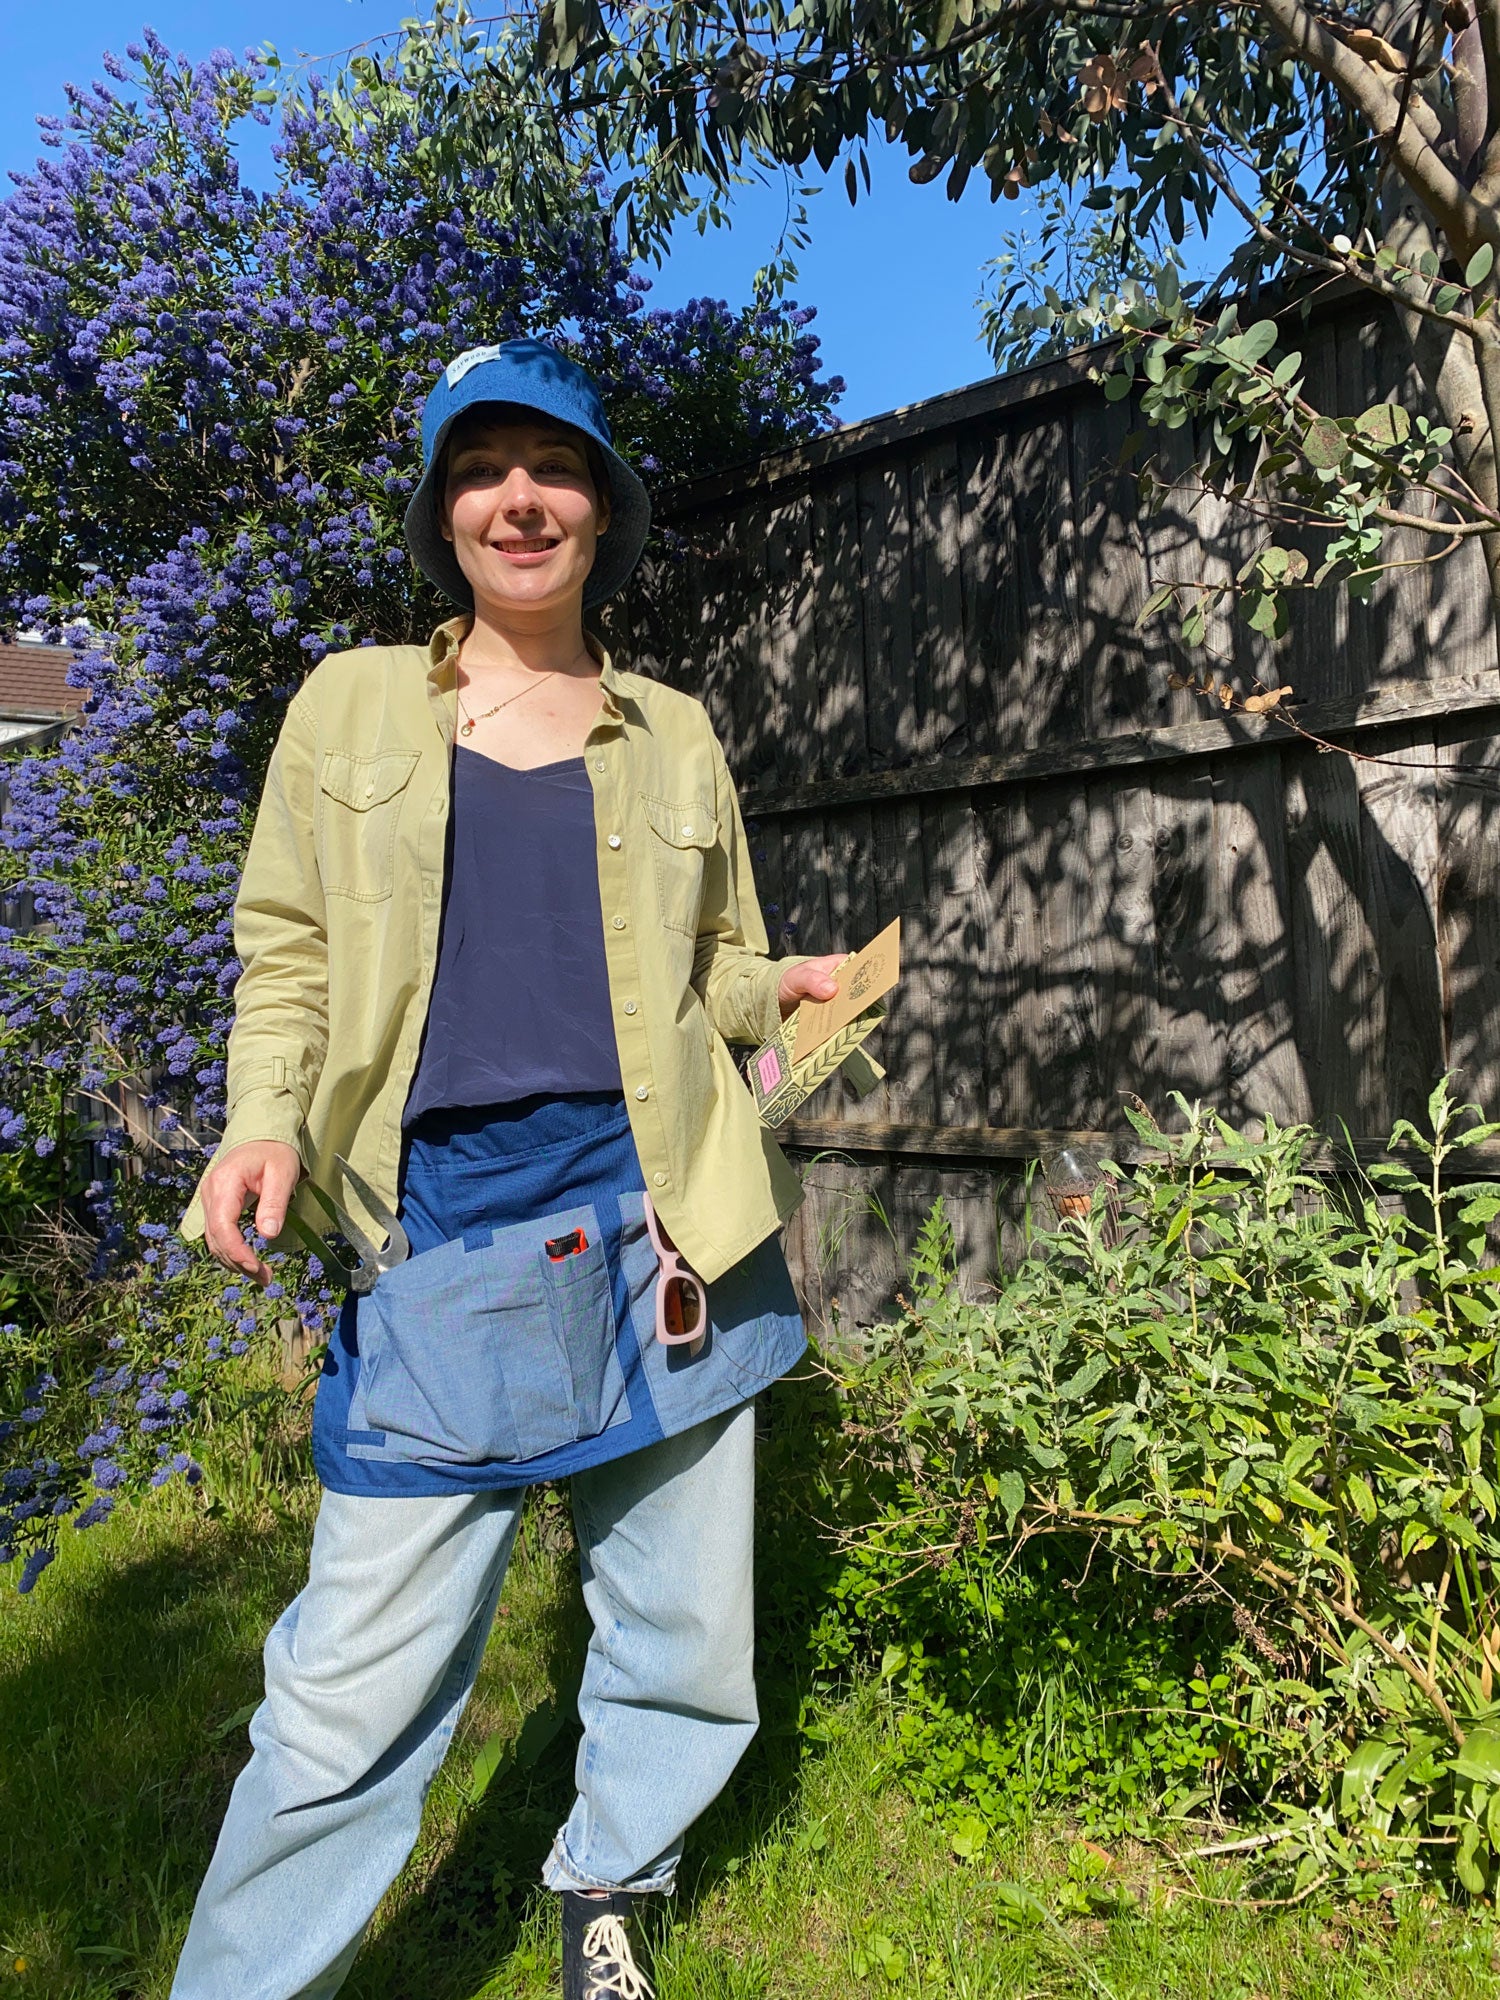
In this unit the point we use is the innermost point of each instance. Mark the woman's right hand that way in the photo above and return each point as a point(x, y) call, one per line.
point(265, 1170)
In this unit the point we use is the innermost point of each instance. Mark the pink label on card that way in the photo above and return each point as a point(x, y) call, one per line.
point(768, 1069)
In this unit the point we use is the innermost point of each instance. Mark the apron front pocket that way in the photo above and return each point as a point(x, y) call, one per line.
point(490, 1349)
point(582, 1312)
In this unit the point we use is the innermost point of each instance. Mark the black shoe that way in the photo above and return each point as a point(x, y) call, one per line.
point(599, 1960)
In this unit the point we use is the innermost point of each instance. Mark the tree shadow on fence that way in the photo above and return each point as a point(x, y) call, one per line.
point(1274, 930)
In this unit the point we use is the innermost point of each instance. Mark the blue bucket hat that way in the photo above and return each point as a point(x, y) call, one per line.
point(530, 373)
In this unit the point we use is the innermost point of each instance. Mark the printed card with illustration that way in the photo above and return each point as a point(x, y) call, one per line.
point(863, 978)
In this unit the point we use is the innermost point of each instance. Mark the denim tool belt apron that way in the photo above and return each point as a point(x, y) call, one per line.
point(487, 1361)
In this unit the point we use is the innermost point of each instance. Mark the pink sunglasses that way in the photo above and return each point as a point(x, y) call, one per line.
point(681, 1295)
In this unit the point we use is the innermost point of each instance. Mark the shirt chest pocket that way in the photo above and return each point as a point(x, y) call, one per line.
point(683, 833)
point(360, 806)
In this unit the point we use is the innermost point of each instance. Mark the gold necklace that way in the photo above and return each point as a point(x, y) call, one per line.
point(466, 727)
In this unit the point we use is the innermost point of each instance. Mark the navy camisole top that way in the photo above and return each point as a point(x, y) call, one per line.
point(520, 999)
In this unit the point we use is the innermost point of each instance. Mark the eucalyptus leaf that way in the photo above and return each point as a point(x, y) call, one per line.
point(1384, 424)
point(1324, 444)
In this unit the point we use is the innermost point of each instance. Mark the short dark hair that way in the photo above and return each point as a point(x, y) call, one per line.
point(480, 417)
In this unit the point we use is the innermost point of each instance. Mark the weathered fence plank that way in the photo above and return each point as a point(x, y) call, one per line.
point(1469, 900)
point(1336, 976)
point(1398, 828)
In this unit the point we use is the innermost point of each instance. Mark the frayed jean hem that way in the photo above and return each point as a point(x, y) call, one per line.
point(559, 1872)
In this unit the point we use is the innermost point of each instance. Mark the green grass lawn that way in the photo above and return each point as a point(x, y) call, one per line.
point(124, 1685)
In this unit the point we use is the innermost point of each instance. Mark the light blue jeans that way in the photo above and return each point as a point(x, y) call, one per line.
point(368, 1670)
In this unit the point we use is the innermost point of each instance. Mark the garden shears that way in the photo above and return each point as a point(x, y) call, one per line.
point(374, 1259)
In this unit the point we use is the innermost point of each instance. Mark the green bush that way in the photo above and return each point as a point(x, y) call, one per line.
point(1198, 1511)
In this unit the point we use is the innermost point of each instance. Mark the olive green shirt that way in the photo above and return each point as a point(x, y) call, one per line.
point(337, 917)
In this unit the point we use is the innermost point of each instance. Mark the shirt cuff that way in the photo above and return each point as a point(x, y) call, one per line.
point(259, 1114)
point(752, 1004)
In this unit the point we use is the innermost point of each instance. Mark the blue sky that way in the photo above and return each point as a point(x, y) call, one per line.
point(894, 280)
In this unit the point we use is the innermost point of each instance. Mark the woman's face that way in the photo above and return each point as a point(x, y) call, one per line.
point(523, 514)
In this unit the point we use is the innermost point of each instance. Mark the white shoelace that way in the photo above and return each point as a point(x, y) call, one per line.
point(606, 1941)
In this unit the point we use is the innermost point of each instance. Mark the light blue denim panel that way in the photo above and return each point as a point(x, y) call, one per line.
point(755, 1330)
point(486, 1350)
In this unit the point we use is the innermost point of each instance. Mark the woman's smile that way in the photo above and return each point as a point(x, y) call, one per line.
point(528, 551)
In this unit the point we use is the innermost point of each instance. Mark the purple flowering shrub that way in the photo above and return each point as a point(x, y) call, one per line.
point(209, 406)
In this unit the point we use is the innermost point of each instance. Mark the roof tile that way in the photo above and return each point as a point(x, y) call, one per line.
point(34, 678)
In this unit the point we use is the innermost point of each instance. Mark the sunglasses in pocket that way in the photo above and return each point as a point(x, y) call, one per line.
point(681, 1295)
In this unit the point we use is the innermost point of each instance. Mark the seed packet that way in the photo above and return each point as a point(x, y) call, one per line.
point(824, 1035)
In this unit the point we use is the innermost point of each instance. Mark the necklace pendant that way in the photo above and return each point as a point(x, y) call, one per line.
point(466, 728)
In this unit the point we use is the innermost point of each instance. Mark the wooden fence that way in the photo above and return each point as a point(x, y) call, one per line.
point(917, 640)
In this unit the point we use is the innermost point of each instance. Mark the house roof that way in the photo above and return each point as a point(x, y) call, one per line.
point(34, 679)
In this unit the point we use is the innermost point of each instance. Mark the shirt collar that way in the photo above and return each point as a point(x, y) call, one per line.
point(442, 656)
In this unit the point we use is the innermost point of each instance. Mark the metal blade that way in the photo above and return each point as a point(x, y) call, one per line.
point(396, 1248)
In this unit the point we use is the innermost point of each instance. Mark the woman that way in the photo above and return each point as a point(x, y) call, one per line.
point(497, 926)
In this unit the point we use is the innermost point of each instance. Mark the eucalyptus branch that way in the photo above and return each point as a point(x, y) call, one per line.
point(1456, 531)
point(1408, 83)
point(1290, 513)
point(1466, 222)
point(1331, 262)
point(1328, 262)
point(1282, 715)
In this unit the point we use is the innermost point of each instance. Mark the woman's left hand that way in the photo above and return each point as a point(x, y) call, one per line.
point(812, 980)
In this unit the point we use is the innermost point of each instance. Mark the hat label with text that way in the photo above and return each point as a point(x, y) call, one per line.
point(456, 370)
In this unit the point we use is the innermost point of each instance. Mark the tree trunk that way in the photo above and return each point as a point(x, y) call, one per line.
point(1453, 373)
point(1461, 376)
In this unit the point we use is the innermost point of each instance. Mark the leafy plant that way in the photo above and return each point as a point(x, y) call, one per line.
point(1270, 1407)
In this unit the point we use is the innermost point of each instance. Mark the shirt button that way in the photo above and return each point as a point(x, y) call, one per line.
point(614, 840)
point(629, 1006)
point(659, 1179)
point(598, 763)
point(618, 922)
point(687, 833)
point(641, 1092)
point(369, 791)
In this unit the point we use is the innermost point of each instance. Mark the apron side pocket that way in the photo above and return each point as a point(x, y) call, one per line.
point(580, 1306)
